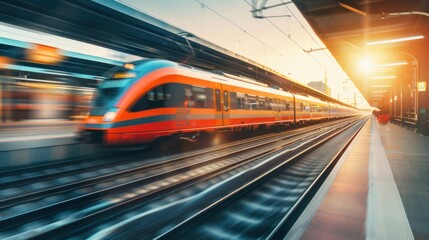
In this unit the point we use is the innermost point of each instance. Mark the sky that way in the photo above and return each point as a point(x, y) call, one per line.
point(276, 42)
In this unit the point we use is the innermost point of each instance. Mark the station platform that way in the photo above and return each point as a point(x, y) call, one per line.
point(378, 190)
point(38, 141)
point(34, 128)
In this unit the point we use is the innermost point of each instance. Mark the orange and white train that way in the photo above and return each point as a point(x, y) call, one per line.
point(153, 99)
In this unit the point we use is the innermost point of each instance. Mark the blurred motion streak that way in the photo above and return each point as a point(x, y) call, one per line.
point(4, 62)
point(44, 54)
point(42, 95)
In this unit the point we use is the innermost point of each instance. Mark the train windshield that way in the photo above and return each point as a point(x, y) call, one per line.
point(109, 92)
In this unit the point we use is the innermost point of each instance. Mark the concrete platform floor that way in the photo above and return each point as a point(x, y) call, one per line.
point(378, 190)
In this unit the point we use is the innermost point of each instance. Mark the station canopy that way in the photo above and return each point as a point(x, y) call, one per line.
point(386, 31)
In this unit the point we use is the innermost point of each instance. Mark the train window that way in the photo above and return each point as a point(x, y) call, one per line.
point(217, 97)
point(313, 108)
point(196, 97)
point(326, 108)
point(209, 98)
point(290, 105)
point(233, 100)
point(269, 104)
point(106, 96)
point(158, 97)
point(284, 106)
point(189, 100)
point(143, 103)
point(151, 96)
point(277, 104)
point(261, 101)
point(241, 101)
point(225, 101)
point(200, 100)
point(274, 104)
point(251, 102)
point(163, 93)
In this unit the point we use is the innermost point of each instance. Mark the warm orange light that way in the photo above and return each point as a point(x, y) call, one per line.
point(396, 40)
point(44, 54)
point(123, 75)
point(353, 9)
point(391, 64)
point(4, 62)
point(383, 77)
point(366, 64)
point(129, 66)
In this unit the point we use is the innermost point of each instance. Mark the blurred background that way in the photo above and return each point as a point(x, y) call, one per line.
point(45, 78)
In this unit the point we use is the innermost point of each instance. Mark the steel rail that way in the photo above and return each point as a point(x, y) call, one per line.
point(89, 218)
point(179, 228)
point(30, 196)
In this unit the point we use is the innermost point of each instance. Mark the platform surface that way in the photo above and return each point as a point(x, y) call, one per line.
point(38, 141)
point(378, 190)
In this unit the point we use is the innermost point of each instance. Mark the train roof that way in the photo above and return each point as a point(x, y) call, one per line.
point(232, 80)
point(218, 77)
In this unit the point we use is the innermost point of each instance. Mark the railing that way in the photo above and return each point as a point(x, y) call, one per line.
point(408, 120)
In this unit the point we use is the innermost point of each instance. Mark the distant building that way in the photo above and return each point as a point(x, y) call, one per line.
point(320, 86)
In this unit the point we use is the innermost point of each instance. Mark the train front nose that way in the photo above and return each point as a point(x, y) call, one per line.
point(93, 136)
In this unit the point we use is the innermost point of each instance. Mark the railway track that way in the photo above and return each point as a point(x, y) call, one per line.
point(266, 207)
point(189, 218)
point(81, 204)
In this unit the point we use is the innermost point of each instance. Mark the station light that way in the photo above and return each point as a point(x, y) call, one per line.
point(43, 54)
point(380, 86)
point(379, 91)
point(396, 40)
point(366, 64)
point(391, 64)
point(4, 62)
point(383, 77)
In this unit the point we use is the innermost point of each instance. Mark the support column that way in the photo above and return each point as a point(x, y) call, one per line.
point(422, 100)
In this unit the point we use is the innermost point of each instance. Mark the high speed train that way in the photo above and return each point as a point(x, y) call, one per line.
point(152, 99)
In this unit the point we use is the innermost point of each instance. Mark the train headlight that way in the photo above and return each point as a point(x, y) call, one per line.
point(110, 115)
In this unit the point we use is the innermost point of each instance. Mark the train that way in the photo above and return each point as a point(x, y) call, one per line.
point(153, 99)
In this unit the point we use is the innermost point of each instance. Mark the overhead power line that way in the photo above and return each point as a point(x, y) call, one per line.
point(287, 35)
point(309, 34)
point(239, 27)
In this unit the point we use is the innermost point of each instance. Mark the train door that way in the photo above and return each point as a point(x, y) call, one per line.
point(226, 107)
point(277, 108)
point(219, 112)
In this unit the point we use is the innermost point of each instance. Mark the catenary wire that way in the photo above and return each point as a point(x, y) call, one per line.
point(237, 26)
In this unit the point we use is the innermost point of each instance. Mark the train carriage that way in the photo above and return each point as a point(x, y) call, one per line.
point(151, 99)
